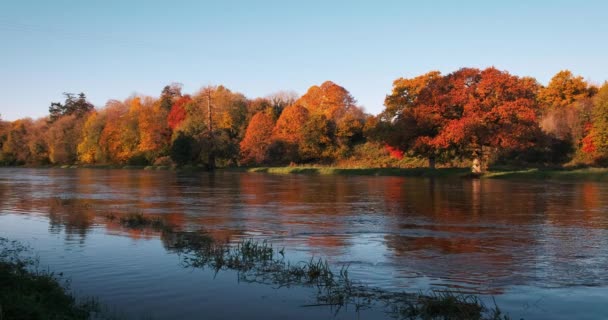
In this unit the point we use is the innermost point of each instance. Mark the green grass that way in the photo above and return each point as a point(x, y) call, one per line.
point(586, 174)
point(404, 172)
point(28, 293)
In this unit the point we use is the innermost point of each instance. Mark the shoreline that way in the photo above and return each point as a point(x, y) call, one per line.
point(598, 174)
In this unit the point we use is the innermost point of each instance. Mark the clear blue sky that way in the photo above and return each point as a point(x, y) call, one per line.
point(112, 49)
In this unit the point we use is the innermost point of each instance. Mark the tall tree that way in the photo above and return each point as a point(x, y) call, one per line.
point(288, 133)
point(254, 147)
point(169, 95)
point(597, 141)
point(89, 149)
point(120, 136)
point(281, 100)
point(488, 110)
point(63, 137)
point(154, 131)
point(74, 105)
point(413, 117)
point(178, 112)
point(14, 147)
point(564, 89)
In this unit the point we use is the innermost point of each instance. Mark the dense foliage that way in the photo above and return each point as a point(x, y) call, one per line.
point(469, 116)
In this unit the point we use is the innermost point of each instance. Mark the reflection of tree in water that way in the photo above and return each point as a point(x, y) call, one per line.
point(487, 235)
point(74, 216)
point(309, 208)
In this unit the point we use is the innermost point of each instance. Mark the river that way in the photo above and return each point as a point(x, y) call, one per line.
point(538, 248)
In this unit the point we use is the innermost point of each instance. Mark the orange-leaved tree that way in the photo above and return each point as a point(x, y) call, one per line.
point(413, 115)
point(488, 110)
point(178, 112)
point(254, 146)
point(288, 134)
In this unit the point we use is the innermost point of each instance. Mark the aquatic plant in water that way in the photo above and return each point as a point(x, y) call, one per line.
point(259, 262)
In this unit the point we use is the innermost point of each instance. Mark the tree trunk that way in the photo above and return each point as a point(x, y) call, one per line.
point(432, 162)
point(477, 167)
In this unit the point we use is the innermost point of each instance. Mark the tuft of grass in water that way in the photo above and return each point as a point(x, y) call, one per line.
point(259, 262)
point(447, 305)
point(28, 293)
point(139, 221)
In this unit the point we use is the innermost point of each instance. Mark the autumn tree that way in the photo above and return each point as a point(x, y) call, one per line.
point(333, 110)
point(154, 131)
point(412, 117)
point(3, 134)
point(89, 149)
point(169, 95)
point(288, 134)
point(281, 100)
point(328, 99)
point(597, 140)
point(255, 144)
point(566, 105)
point(317, 143)
point(488, 110)
point(63, 137)
point(37, 143)
point(74, 105)
point(564, 89)
point(178, 112)
point(15, 140)
point(216, 119)
point(120, 136)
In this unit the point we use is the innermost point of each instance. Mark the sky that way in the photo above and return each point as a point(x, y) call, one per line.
point(113, 49)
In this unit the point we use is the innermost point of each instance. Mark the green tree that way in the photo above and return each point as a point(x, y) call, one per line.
point(599, 134)
point(169, 95)
point(74, 105)
point(317, 142)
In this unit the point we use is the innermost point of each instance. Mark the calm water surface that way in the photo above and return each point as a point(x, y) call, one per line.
point(539, 248)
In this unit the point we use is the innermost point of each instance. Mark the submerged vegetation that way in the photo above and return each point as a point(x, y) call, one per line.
point(26, 292)
point(260, 262)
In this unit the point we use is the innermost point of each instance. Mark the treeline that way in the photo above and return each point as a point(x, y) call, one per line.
point(469, 116)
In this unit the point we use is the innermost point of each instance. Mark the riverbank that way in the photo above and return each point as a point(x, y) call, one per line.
point(572, 174)
point(28, 293)
point(588, 174)
point(404, 172)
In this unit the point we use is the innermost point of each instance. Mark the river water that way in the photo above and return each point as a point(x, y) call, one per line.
point(538, 248)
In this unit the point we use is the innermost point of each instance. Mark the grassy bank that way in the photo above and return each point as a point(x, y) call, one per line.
point(403, 172)
point(573, 174)
point(585, 174)
point(28, 293)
